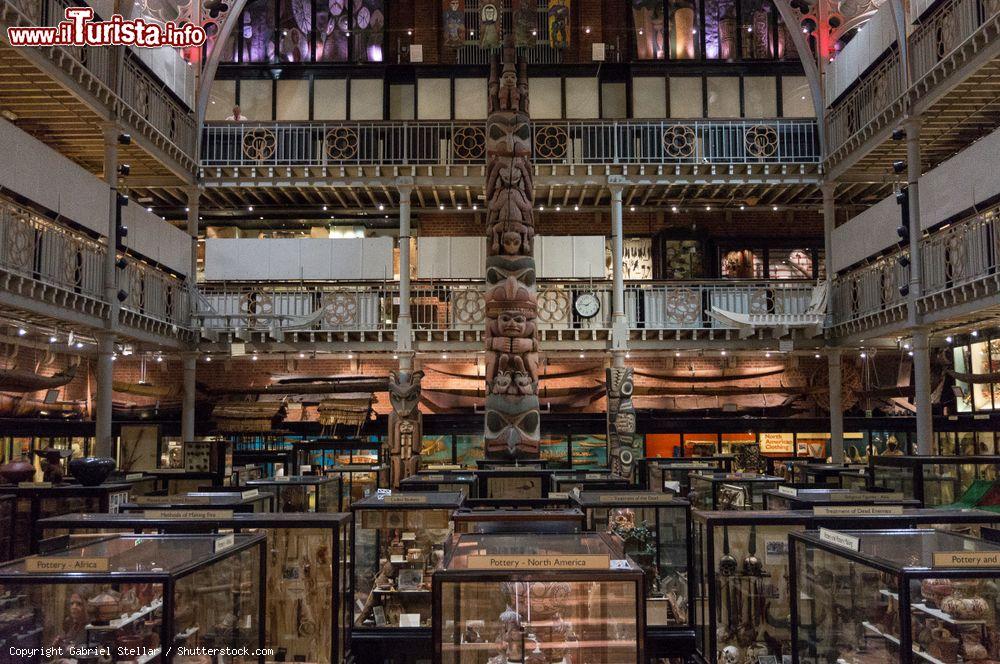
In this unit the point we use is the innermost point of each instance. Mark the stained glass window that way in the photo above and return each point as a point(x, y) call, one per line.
point(295, 24)
point(257, 32)
point(332, 30)
point(720, 29)
point(369, 28)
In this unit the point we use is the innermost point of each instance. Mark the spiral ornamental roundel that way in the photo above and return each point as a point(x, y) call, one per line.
point(553, 306)
point(889, 291)
point(68, 259)
point(259, 144)
point(956, 264)
point(468, 143)
point(470, 307)
point(257, 303)
point(551, 142)
point(758, 301)
point(945, 35)
point(340, 308)
point(684, 304)
point(761, 141)
point(19, 251)
point(341, 144)
point(678, 141)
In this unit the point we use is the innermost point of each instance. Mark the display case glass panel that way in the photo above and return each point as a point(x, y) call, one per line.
point(308, 606)
point(464, 483)
point(676, 477)
point(514, 483)
point(469, 449)
point(399, 542)
point(358, 481)
point(742, 608)
point(790, 498)
point(489, 612)
point(730, 491)
point(653, 529)
point(589, 451)
point(139, 596)
point(565, 483)
point(537, 520)
point(933, 480)
point(301, 493)
point(894, 596)
point(249, 500)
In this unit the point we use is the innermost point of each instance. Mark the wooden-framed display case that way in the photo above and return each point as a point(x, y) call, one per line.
point(933, 480)
point(540, 520)
point(308, 604)
point(901, 596)
point(398, 545)
point(791, 498)
point(485, 607)
point(141, 596)
point(301, 493)
point(464, 483)
point(728, 491)
point(249, 500)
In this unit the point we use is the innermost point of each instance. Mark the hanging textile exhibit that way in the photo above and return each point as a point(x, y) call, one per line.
point(523, 17)
point(489, 26)
point(647, 16)
point(454, 23)
point(558, 15)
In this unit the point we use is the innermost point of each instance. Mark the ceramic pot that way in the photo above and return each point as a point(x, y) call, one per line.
point(91, 471)
point(18, 470)
point(105, 605)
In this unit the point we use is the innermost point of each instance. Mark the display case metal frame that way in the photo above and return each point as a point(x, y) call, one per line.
point(465, 483)
point(167, 578)
point(910, 470)
point(903, 574)
point(542, 520)
point(205, 500)
point(323, 485)
point(754, 483)
point(807, 499)
point(338, 523)
point(542, 477)
point(706, 555)
point(646, 467)
point(379, 644)
point(631, 575)
point(589, 481)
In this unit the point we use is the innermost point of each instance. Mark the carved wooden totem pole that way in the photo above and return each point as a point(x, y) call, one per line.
point(405, 425)
point(512, 418)
point(621, 420)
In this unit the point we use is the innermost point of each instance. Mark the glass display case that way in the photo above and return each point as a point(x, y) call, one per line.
point(740, 569)
point(301, 493)
point(825, 474)
point(38, 502)
point(248, 500)
point(933, 480)
point(502, 464)
point(568, 482)
point(308, 606)
point(464, 483)
point(140, 484)
point(675, 477)
point(545, 599)
point(894, 596)
point(323, 454)
point(730, 491)
point(542, 520)
point(129, 598)
point(8, 508)
point(186, 466)
point(654, 530)
point(357, 481)
point(398, 545)
point(791, 498)
point(514, 483)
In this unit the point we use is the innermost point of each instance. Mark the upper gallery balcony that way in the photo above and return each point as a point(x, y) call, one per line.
point(768, 159)
point(66, 95)
point(952, 53)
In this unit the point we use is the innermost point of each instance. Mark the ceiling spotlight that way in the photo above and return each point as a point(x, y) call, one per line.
point(444, 356)
point(723, 352)
point(21, 331)
point(475, 207)
point(114, 356)
point(774, 208)
point(742, 207)
point(910, 353)
point(559, 208)
point(409, 33)
point(350, 356)
point(254, 357)
point(249, 208)
point(79, 344)
point(673, 208)
point(124, 139)
point(149, 209)
point(581, 356)
point(628, 355)
point(677, 354)
point(324, 208)
point(817, 356)
point(381, 206)
point(159, 358)
point(708, 208)
point(301, 355)
point(124, 169)
point(631, 208)
point(208, 358)
point(906, 346)
point(122, 295)
point(975, 333)
point(767, 354)
point(576, 208)
point(541, 208)
point(441, 207)
point(459, 207)
point(52, 339)
point(587, 30)
point(898, 134)
point(898, 166)
point(948, 339)
point(863, 355)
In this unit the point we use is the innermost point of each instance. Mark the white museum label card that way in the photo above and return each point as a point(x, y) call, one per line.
point(840, 539)
point(857, 510)
point(249, 493)
point(558, 495)
point(868, 495)
point(404, 499)
point(636, 499)
point(671, 485)
point(409, 620)
point(528, 562)
point(59, 565)
point(224, 542)
point(171, 500)
point(987, 559)
point(788, 491)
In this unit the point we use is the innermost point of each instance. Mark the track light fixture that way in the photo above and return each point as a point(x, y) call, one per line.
point(904, 290)
point(121, 263)
point(898, 134)
point(122, 200)
point(904, 261)
point(898, 166)
point(124, 139)
point(122, 295)
point(124, 169)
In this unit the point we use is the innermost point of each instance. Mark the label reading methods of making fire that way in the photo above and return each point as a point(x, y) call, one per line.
point(840, 539)
point(522, 562)
point(190, 515)
point(788, 491)
point(43, 565)
point(642, 499)
point(857, 510)
point(967, 559)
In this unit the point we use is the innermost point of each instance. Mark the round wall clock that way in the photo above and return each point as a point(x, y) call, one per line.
point(587, 305)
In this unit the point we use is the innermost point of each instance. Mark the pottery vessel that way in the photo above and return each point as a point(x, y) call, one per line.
point(18, 470)
point(91, 471)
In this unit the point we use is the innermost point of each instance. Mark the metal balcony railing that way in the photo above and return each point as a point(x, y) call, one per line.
point(872, 96)
point(771, 141)
point(459, 305)
point(951, 258)
point(939, 34)
point(35, 248)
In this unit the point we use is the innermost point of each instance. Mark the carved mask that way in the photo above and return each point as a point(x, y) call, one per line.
point(513, 427)
point(511, 243)
point(404, 392)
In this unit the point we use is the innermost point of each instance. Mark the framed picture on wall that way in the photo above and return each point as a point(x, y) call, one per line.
point(137, 447)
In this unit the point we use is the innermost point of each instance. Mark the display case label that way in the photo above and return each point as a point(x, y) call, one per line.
point(432, 478)
point(558, 495)
point(595, 476)
point(527, 562)
point(224, 542)
point(249, 493)
point(34, 485)
point(282, 478)
point(200, 515)
point(868, 495)
point(443, 466)
point(788, 491)
point(53, 565)
point(840, 539)
point(171, 500)
point(986, 559)
point(131, 477)
point(857, 510)
point(403, 499)
point(637, 499)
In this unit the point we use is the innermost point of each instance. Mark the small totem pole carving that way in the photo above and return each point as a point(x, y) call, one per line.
point(621, 421)
point(405, 425)
point(512, 418)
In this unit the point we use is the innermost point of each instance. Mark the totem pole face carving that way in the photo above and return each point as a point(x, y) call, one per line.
point(512, 418)
point(621, 420)
point(405, 425)
point(404, 392)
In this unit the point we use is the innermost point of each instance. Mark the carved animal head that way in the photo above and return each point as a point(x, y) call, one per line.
point(404, 392)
